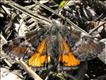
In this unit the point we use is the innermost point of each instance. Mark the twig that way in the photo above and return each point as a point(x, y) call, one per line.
point(98, 17)
point(6, 10)
point(41, 18)
point(7, 62)
point(29, 70)
point(2, 54)
point(61, 16)
point(2, 37)
point(97, 27)
point(29, 12)
point(4, 58)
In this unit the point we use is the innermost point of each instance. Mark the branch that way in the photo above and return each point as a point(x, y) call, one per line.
point(28, 12)
point(61, 16)
point(97, 27)
point(29, 70)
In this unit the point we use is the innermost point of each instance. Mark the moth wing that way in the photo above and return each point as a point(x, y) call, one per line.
point(39, 58)
point(66, 57)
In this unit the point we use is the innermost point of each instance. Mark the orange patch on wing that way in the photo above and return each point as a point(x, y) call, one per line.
point(39, 59)
point(66, 57)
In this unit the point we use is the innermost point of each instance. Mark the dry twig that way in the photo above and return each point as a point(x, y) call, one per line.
point(29, 70)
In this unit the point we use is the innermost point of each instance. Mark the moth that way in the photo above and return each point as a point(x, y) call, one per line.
point(57, 47)
point(53, 51)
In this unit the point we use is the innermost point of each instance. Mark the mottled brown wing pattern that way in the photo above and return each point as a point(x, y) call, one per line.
point(17, 47)
point(87, 48)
